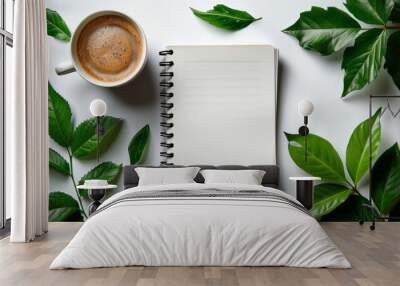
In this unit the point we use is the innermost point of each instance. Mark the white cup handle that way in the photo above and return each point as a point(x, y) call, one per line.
point(65, 68)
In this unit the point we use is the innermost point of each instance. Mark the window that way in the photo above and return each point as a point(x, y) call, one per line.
point(6, 43)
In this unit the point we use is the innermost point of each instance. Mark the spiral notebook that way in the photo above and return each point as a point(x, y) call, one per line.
point(218, 104)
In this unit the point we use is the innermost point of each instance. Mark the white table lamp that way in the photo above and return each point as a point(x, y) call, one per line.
point(98, 108)
point(305, 109)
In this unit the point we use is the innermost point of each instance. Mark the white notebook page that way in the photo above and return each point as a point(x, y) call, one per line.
point(224, 104)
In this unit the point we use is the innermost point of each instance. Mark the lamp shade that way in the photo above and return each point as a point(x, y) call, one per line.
point(305, 107)
point(98, 107)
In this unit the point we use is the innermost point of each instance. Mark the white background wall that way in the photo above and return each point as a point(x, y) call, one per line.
point(302, 74)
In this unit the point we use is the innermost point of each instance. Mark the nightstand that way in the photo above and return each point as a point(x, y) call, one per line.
point(96, 193)
point(304, 190)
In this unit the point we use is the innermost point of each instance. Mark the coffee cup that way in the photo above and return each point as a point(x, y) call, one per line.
point(108, 49)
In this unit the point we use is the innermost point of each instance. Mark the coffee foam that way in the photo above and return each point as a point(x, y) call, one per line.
point(110, 48)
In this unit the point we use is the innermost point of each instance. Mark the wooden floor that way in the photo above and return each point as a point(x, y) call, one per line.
point(375, 257)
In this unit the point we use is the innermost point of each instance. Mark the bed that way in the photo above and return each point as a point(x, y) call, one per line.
point(199, 224)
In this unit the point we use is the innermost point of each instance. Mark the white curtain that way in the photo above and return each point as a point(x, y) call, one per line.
point(26, 124)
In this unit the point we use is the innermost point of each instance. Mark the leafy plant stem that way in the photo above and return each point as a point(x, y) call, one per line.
point(350, 184)
point(385, 27)
point(392, 27)
point(74, 183)
point(354, 189)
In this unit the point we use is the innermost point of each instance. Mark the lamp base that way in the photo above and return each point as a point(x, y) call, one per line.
point(304, 131)
point(95, 195)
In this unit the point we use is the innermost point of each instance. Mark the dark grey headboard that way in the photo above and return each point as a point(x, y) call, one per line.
point(271, 177)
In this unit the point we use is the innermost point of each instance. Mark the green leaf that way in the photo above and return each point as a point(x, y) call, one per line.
point(375, 12)
point(322, 159)
point(385, 181)
point(104, 171)
point(363, 61)
point(357, 153)
point(138, 145)
point(56, 27)
point(60, 119)
point(395, 213)
point(324, 31)
point(327, 197)
point(65, 214)
point(350, 210)
point(83, 193)
point(84, 144)
point(60, 199)
point(58, 163)
point(226, 18)
point(395, 15)
point(62, 207)
point(392, 63)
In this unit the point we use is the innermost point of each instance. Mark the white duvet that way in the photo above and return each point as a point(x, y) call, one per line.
point(200, 231)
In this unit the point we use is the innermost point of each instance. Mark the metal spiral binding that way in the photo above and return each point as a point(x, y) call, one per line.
point(166, 52)
point(166, 105)
point(166, 94)
point(167, 124)
point(167, 64)
point(167, 145)
point(166, 84)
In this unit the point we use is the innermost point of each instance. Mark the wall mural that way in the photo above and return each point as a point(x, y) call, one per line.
point(56, 26)
point(226, 18)
point(339, 198)
point(327, 31)
point(80, 143)
point(366, 47)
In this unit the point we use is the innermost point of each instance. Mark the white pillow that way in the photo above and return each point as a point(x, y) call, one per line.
point(248, 177)
point(165, 176)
